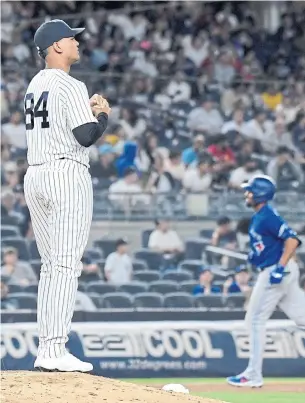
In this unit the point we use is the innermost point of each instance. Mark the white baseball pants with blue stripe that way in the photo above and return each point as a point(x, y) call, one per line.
point(60, 199)
point(264, 299)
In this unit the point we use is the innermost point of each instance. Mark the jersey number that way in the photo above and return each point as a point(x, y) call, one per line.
point(36, 111)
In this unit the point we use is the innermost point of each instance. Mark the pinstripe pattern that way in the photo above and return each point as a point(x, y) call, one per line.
point(263, 302)
point(60, 199)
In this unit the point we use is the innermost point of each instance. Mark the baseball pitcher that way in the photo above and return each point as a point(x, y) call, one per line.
point(273, 245)
point(61, 123)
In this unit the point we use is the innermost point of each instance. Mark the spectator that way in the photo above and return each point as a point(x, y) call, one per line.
point(15, 131)
point(127, 192)
point(18, 272)
point(223, 155)
point(237, 124)
point(205, 285)
point(259, 128)
point(178, 89)
point(242, 233)
point(8, 200)
point(118, 265)
point(224, 71)
point(287, 110)
point(245, 152)
point(240, 283)
point(133, 26)
point(224, 236)
point(104, 168)
point(90, 272)
point(272, 97)
point(190, 155)
point(205, 118)
point(196, 49)
point(11, 174)
point(165, 240)
point(279, 137)
point(161, 181)
point(244, 173)
point(133, 126)
point(127, 158)
point(199, 178)
point(175, 166)
point(84, 303)
point(286, 172)
point(299, 134)
point(6, 303)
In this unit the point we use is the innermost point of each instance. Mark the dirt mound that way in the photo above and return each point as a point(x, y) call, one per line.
point(32, 387)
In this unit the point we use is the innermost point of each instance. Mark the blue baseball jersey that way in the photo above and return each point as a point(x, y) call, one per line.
point(268, 233)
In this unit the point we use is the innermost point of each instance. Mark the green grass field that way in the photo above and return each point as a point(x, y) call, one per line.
point(232, 395)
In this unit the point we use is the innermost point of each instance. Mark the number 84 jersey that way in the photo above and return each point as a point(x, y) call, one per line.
point(55, 103)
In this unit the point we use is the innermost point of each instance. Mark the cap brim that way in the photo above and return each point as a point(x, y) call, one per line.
point(77, 31)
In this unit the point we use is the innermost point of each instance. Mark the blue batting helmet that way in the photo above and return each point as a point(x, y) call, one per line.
point(263, 188)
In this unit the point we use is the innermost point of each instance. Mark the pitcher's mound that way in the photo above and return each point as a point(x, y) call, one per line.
point(32, 387)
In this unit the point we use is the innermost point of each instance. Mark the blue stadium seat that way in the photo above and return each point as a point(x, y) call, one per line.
point(34, 250)
point(36, 266)
point(93, 254)
point(117, 300)
point(19, 244)
point(178, 276)
point(100, 287)
point(178, 300)
point(24, 300)
point(163, 286)
point(235, 301)
point(82, 287)
point(152, 258)
point(97, 299)
point(148, 300)
point(209, 301)
point(15, 288)
point(145, 237)
point(147, 276)
point(195, 247)
point(32, 289)
point(206, 233)
point(139, 265)
point(134, 287)
point(9, 231)
point(188, 286)
point(107, 245)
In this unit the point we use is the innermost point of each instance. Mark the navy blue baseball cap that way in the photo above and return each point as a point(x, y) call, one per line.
point(53, 31)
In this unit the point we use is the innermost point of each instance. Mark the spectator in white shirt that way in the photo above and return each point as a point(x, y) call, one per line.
point(259, 128)
point(196, 49)
point(205, 118)
point(118, 266)
point(237, 124)
point(165, 240)
point(15, 131)
point(133, 26)
point(174, 165)
point(178, 89)
point(244, 173)
point(127, 192)
point(199, 178)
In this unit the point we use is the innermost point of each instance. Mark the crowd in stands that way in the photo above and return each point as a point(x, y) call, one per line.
point(203, 98)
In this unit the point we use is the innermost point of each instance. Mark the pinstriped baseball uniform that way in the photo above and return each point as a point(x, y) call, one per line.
point(58, 192)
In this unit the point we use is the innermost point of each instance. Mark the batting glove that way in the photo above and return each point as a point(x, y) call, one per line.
point(277, 275)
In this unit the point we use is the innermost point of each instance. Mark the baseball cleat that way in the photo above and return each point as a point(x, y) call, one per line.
point(242, 381)
point(66, 363)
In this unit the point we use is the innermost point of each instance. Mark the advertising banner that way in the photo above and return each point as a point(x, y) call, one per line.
point(164, 349)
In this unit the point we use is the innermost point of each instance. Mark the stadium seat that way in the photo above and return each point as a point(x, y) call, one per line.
point(188, 286)
point(134, 287)
point(100, 287)
point(117, 300)
point(15, 288)
point(96, 299)
point(209, 301)
point(19, 244)
point(139, 265)
point(93, 254)
point(195, 247)
point(82, 287)
point(152, 258)
point(36, 266)
point(163, 286)
point(179, 276)
point(219, 274)
point(9, 231)
point(9, 221)
point(24, 300)
point(32, 289)
point(193, 266)
point(206, 233)
point(235, 301)
point(148, 300)
point(145, 237)
point(107, 245)
point(34, 250)
point(178, 300)
point(147, 276)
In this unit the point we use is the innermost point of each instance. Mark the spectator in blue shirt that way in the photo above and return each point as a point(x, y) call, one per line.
point(205, 285)
point(240, 283)
point(190, 155)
